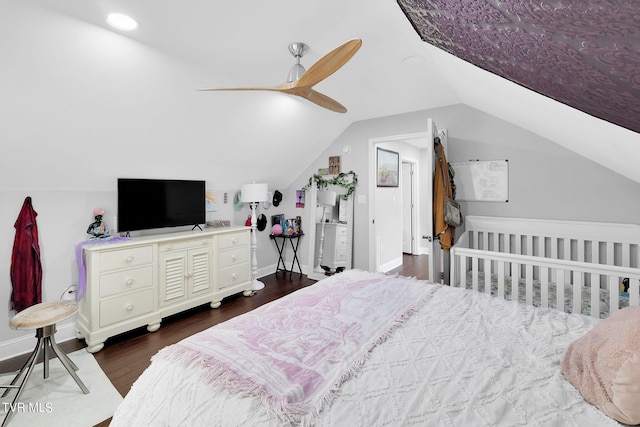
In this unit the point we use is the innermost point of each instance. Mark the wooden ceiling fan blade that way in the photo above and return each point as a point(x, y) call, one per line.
point(329, 64)
point(324, 101)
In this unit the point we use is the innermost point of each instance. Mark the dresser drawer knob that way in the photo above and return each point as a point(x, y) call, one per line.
point(235, 276)
point(130, 307)
point(129, 282)
point(234, 240)
point(234, 258)
point(129, 258)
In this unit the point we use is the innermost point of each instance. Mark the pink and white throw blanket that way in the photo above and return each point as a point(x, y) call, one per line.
point(294, 353)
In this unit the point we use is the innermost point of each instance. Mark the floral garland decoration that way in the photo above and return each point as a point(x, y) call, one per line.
point(340, 180)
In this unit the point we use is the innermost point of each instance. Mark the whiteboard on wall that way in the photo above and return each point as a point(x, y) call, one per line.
point(482, 180)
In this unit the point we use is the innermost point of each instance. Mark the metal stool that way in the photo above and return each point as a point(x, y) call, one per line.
point(42, 317)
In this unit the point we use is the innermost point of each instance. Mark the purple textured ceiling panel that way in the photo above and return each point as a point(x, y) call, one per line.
point(585, 54)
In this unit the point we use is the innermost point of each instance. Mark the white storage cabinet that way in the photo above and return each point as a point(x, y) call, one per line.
point(138, 282)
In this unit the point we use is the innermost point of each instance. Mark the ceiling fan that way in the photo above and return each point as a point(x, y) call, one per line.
point(301, 82)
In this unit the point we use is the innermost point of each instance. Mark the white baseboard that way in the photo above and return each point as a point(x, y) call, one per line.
point(265, 271)
point(270, 269)
point(26, 343)
point(390, 265)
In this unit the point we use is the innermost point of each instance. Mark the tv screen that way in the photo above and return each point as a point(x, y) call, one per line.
point(158, 203)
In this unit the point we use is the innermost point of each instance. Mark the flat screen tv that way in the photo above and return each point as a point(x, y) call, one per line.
point(158, 203)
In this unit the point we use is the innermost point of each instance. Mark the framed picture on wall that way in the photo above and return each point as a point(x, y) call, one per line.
point(334, 165)
point(387, 167)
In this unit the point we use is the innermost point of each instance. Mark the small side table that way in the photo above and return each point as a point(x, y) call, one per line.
point(294, 239)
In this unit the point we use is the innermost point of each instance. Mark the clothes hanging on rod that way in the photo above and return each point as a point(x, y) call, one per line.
point(26, 267)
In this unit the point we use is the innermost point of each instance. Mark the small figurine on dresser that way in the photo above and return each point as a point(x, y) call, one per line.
point(98, 229)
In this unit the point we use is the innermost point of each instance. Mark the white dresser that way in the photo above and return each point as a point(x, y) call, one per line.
point(334, 249)
point(138, 282)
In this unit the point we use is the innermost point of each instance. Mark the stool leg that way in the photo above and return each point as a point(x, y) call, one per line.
point(29, 367)
point(59, 352)
point(65, 361)
point(27, 364)
point(45, 363)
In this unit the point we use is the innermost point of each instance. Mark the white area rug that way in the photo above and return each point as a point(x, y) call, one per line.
point(58, 401)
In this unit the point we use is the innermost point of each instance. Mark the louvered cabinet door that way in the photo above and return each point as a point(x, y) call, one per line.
point(199, 271)
point(174, 276)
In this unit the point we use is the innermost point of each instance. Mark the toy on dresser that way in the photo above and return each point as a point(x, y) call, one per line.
point(98, 229)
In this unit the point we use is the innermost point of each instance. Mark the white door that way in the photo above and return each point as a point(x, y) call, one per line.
point(427, 192)
point(407, 207)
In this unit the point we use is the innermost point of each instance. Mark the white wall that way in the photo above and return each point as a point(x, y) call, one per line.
point(546, 180)
point(568, 127)
point(357, 137)
point(63, 218)
point(82, 106)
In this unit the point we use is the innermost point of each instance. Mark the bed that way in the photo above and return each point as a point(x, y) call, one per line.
point(574, 266)
point(364, 349)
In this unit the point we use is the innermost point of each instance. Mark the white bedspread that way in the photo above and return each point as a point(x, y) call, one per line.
point(465, 359)
point(294, 353)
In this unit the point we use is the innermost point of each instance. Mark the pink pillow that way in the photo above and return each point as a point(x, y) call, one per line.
point(604, 365)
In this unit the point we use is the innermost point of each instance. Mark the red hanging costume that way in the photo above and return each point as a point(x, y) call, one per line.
point(26, 269)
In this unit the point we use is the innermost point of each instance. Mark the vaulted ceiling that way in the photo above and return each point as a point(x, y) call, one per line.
point(87, 85)
point(585, 54)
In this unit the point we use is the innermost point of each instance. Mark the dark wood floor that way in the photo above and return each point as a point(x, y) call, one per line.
point(124, 357)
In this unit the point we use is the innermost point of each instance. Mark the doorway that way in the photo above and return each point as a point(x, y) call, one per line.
point(386, 223)
point(423, 242)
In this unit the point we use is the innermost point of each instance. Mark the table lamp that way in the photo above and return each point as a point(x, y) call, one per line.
point(326, 198)
point(254, 194)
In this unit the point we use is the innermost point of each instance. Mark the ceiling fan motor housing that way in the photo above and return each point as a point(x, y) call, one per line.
point(297, 49)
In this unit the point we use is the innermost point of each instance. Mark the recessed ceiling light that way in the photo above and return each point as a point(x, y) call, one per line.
point(122, 22)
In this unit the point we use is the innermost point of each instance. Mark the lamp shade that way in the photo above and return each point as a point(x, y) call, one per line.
point(327, 198)
point(251, 193)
